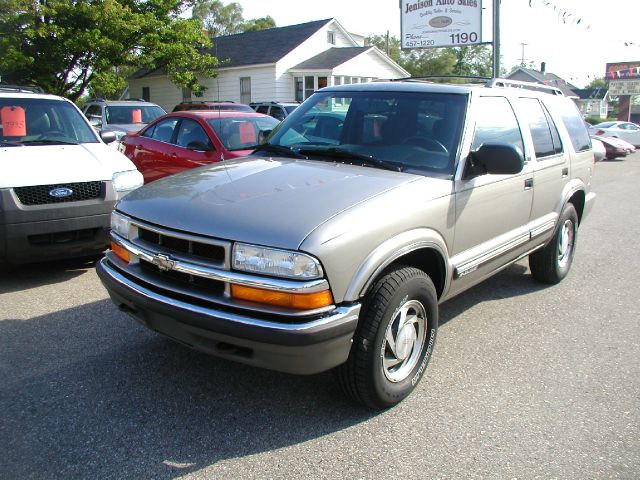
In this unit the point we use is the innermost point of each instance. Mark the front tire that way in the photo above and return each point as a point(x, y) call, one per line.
point(394, 339)
point(552, 263)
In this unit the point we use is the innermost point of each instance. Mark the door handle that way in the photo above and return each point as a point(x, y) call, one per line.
point(565, 172)
point(528, 183)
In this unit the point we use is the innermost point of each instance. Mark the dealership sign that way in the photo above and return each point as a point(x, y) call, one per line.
point(440, 23)
point(624, 87)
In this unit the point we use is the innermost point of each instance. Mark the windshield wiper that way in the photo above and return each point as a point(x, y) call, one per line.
point(335, 152)
point(8, 143)
point(279, 149)
point(47, 141)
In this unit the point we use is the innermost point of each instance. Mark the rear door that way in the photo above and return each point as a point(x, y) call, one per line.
point(154, 147)
point(550, 159)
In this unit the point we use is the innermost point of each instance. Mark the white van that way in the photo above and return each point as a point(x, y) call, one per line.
point(59, 181)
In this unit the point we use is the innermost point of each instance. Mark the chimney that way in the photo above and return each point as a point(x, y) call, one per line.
point(543, 68)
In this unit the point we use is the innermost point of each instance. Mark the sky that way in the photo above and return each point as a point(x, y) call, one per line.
point(576, 51)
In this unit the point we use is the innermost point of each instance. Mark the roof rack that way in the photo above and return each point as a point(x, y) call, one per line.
point(207, 101)
point(21, 88)
point(435, 77)
point(503, 82)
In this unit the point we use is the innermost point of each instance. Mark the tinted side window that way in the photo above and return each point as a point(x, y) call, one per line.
point(192, 135)
point(496, 123)
point(575, 126)
point(263, 109)
point(277, 112)
point(542, 128)
point(164, 130)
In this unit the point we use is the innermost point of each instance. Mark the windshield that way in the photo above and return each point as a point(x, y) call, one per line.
point(418, 132)
point(128, 114)
point(42, 121)
point(242, 133)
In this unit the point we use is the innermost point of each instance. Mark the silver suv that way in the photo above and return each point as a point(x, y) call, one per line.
point(120, 116)
point(333, 244)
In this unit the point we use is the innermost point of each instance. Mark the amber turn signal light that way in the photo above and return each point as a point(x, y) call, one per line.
point(120, 252)
point(298, 301)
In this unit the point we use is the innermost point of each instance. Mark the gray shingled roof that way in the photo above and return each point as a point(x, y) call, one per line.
point(591, 93)
point(251, 48)
point(262, 46)
point(331, 58)
point(550, 79)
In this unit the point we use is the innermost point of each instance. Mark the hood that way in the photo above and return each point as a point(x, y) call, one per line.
point(268, 201)
point(53, 164)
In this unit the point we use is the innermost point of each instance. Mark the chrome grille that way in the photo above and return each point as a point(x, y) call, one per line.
point(40, 194)
point(188, 246)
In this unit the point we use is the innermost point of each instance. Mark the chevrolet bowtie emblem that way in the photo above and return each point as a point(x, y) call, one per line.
point(163, 262)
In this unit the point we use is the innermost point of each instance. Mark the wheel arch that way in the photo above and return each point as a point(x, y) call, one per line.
point(424, 249)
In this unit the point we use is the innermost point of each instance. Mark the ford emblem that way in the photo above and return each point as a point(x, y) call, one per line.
point(61, 192)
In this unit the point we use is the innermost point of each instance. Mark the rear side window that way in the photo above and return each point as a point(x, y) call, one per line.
point(546, 140)
point(496, 123)
point(575, 126)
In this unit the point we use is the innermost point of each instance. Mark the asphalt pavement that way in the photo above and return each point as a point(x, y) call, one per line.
point(527, 381)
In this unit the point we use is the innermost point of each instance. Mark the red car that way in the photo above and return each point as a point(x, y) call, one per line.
point(182, 140)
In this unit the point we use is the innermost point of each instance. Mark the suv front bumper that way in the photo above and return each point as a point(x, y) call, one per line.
point(301, 348)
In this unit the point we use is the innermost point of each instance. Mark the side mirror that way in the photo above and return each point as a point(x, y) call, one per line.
point(199, 147)
point(262, 136)
point(496, 159)
point(108, 136)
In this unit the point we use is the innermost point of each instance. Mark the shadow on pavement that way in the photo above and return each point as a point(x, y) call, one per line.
point(89, 393)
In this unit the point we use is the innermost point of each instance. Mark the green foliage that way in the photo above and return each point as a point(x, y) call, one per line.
point(256, 24)
point(598, 83)
point(471, 61)
point(67, 46)
point(219, 19)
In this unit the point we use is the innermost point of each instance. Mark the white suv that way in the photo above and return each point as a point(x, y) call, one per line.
point(59, 179)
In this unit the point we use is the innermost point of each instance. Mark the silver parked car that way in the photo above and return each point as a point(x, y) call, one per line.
point(628, 131)
point(333, 244)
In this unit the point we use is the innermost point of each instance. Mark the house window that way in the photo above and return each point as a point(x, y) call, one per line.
point(299, 94)
point(331, 38)
point(245, 89)
point(337, 80)
point(309, 84)
point(146, 94)
point(322, 82)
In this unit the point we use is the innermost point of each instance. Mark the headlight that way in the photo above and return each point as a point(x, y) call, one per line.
point(279, 263)
point(120, 224)
point(129, 180)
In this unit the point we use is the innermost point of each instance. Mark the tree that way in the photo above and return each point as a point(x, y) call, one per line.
point(65, 46)
point(598, 83)
point(258, 24)
point(217, 18)
point(472, 60)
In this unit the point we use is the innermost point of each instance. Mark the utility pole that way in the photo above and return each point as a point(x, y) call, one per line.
point(522, 58)
point(496, 38)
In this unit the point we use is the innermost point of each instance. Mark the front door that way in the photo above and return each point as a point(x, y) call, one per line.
point(492, 211)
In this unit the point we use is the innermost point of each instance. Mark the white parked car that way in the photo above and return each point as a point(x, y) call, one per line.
point(625, 130)
point(59, 181)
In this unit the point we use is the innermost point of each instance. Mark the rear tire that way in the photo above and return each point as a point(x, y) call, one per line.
point(394, 339)
point(553, 262)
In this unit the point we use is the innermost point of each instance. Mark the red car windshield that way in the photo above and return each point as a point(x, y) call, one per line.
point(241, 133)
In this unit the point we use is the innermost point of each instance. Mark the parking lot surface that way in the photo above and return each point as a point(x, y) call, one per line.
point(527, 381)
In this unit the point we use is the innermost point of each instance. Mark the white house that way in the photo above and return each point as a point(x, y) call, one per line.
point(278, 64)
